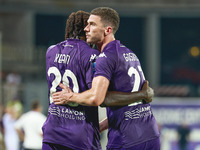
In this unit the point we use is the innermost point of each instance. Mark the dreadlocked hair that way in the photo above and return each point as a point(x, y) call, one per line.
point(75, 24)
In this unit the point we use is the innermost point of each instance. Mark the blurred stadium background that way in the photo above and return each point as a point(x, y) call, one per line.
point(164, 34)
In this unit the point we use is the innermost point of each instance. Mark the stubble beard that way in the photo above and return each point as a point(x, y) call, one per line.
point(92, 40)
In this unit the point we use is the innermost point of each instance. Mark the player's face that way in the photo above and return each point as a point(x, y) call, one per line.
point(94, 30)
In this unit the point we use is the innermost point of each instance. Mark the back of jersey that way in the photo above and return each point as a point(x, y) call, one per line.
point(132, 124)
point(73, 125)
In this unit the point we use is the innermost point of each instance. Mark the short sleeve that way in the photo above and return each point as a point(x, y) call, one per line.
point(106, 64)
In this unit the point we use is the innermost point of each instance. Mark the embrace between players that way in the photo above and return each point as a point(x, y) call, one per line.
point(110, 76)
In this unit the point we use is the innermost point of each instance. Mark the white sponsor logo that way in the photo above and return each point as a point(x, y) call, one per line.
point(92, 57)
point(102, 55)
point(138, 113)
point(67, 113)
point(65, 45)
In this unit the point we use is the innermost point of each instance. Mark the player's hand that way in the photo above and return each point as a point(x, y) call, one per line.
point(148, 91)
point(62, 97)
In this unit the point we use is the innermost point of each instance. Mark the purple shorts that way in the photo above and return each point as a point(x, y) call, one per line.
point(149, 145)
point(51, 146)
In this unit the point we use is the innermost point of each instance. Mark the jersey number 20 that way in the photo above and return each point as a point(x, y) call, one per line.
point(64, 79)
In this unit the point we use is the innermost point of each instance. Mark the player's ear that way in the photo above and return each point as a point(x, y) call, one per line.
point(108, 30)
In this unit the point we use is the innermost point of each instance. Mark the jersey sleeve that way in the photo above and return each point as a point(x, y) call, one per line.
point(106, 64)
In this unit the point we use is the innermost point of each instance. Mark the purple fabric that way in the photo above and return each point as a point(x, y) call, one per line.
point(149, 145)
point(50, 146)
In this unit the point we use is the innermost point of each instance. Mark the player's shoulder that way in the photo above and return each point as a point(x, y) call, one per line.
point(50, 48)
point(114, 50)
point(121, 48)
point(86, 49)
point(59, 47)
point(54, 47)
point(112, 47)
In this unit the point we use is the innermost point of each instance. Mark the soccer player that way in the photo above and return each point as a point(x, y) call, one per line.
point(131, 127)
point(72, 126)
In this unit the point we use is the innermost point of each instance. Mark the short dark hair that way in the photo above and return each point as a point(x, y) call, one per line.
point(35, 104)
point(75, 24)
point(108, 16)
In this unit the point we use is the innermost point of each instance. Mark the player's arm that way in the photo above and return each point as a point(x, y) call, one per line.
point(120, 98)
point(96, 95)
point(103, 125)
point(92, 97)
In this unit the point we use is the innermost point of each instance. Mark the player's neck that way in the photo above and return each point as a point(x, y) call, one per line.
point(106, 40)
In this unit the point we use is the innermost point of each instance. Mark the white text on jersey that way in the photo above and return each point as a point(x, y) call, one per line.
point(62, 58)
point(130, 57)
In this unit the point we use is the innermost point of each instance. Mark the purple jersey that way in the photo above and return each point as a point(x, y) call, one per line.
point(135, 123)
point(73, 125)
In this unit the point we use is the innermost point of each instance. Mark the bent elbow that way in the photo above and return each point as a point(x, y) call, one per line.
point(95, 101)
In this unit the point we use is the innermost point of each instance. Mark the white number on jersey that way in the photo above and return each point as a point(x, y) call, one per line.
point(133, 71)
point(59, 78)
